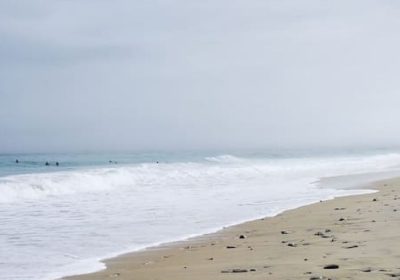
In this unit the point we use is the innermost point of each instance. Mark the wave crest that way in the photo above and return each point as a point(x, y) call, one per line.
point(225, 159)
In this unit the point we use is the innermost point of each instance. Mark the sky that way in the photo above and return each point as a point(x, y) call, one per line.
point(183, 74)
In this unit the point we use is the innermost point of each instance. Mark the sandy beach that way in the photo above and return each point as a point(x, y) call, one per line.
point(352, 237)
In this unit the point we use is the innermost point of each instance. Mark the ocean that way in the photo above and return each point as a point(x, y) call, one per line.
point(63, 220)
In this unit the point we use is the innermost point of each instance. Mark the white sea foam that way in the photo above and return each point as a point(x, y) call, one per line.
point(225, 159)
point(70, 220)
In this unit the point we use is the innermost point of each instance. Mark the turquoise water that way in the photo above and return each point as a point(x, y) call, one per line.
point(35, 162)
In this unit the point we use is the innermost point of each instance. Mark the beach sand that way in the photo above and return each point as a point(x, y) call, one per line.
point(355, 237)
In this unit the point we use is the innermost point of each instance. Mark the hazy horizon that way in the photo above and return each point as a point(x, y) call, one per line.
point(184, 75)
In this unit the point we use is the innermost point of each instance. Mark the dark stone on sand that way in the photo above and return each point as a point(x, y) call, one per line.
point(292, 244)
point(327, 230)
point(351, 247)
point(252, 269)
point(342, 219)
point(373, 221)
point(368, 269)
point(375, 199)
point(331, 266)
point(210, 259)
point(230, 247)
point(394, 274)
point(323, 235)
point(284, 232)
point(235, 270)
point(242, 236)
point(305, 259)
point(316, 278)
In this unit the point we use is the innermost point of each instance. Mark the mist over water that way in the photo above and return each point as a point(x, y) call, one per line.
point(89, 209)
point(169, 75)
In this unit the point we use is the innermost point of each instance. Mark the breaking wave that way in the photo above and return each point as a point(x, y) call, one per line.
point(213, 172)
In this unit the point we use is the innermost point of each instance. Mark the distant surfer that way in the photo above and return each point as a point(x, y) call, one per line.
point(57, 164)
point(16, 161)
point(47, 163)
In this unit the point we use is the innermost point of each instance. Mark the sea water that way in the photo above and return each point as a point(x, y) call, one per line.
point(62, 220)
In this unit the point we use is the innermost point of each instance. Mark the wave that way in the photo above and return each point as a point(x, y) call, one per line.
point(37, 186)
point(215, 171)
point(225, 159)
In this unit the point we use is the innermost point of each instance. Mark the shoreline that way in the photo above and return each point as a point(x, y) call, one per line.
point(147, 261)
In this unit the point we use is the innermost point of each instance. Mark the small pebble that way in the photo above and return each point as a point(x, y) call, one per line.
point(351, 247)
point(366, 269)
point(331, 266)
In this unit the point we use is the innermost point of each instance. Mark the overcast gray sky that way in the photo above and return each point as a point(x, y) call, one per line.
point(185, 74)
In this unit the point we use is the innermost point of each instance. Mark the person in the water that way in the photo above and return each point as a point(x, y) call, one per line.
point(16, 161)
point(47, 163)
point(57, 164)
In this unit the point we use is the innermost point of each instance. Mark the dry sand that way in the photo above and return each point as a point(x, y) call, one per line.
point(358, 237)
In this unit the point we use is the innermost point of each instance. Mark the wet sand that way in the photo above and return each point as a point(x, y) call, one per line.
point(355, 237)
